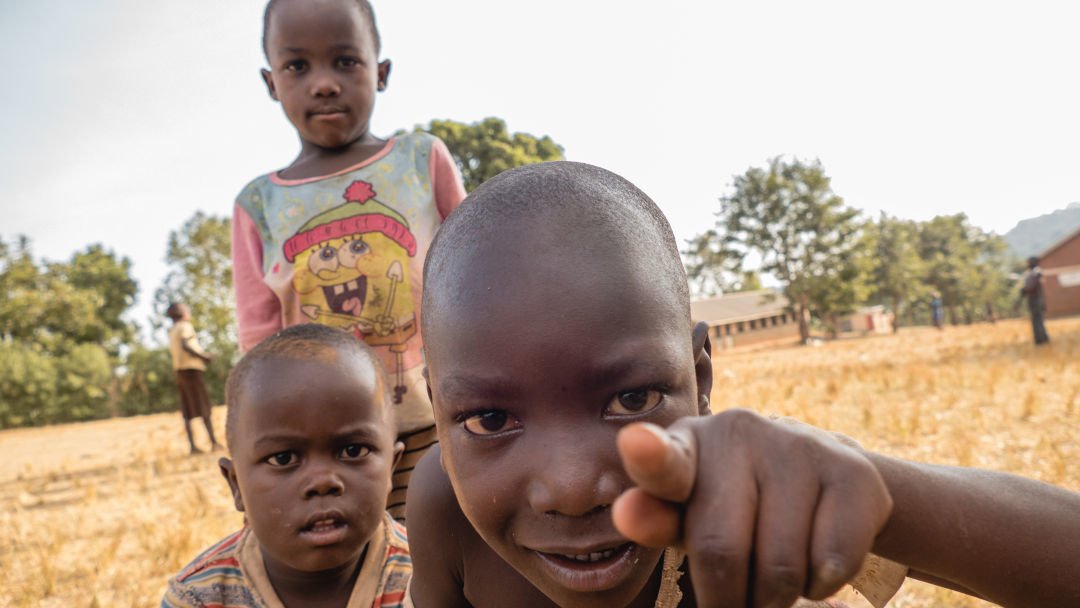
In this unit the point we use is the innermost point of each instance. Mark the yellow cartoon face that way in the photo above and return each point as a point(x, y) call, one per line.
point(357, 281)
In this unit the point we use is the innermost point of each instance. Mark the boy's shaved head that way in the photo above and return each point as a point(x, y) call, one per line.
point(556, 312)
point(569, 205)
point(308, 341)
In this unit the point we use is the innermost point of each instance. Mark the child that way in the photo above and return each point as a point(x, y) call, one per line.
point(311, 433)
point(189, 362)
point(339, 236)
point(570, 390)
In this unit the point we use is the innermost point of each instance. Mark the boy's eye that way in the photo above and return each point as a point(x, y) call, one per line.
point(348, 62)
point(635, 402)
point(355, 450)
point(295, 66)
point(281, 459)
point(490, 423)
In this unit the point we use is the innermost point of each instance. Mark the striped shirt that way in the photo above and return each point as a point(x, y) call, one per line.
point(231, 574)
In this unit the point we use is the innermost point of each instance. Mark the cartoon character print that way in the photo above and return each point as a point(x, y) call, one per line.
point(351, 271)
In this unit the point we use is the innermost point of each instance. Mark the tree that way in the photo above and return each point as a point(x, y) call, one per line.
point(200, 275)
point(61, 331)
point(787, 216)
point(484, 149)
point(897, 274)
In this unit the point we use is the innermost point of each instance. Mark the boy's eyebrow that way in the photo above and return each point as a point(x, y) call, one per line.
point(360, 430)
point(601, 373)
point(341, 46)
point(460, 387)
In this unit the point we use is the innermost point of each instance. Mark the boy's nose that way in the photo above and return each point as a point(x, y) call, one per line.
point(325, 85)
point(323, 481)
point(575, 481)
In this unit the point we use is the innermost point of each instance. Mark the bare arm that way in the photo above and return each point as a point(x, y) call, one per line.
point(433, 515)
point(1008, 539)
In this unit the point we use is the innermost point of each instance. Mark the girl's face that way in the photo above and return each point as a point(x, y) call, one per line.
point(324, 70)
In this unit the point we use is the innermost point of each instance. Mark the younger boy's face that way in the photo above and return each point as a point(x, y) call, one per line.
point(324, 69)
point(312, 454)
point(533, 371)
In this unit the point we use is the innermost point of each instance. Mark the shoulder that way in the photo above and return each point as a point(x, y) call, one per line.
point(251, 197)
point(214, 578)
point(436, 527)
point(396, 566)
point(420, 140)
point(220, 559)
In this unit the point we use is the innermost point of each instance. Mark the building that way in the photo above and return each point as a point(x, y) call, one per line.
point(745, 318)
point(1060, 266)
point(865, 321)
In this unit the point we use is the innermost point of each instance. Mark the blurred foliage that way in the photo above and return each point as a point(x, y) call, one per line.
point(787, 217)
point(67, 351)
point(61, 333)
point(484, 149)
point(784, 220)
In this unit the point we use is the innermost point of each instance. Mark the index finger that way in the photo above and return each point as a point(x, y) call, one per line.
point(662, 462)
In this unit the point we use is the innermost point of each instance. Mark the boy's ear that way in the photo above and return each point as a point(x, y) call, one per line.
point(384, 74)
point(268, 80)
point(703, 366)
point(228, 471)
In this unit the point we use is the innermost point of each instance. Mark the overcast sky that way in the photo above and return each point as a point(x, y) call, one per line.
point(121, 118)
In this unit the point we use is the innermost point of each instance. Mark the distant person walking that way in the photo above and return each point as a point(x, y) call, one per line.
point(937, 311)
point(189, 362)
point(1036, 301)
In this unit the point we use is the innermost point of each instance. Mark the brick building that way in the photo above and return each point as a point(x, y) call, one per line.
point(745, 318)
point(1061, 276)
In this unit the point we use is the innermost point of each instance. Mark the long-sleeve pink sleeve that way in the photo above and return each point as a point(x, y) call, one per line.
point(258, 311)
point(445, 179)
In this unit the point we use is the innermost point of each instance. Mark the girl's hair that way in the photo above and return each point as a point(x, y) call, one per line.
point(365, 8)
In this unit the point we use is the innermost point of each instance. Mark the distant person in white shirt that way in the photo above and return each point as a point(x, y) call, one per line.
point(189, 361)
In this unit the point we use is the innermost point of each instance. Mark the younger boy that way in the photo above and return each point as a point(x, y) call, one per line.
point(311, 433)
point(570, 390)
point(189, 362)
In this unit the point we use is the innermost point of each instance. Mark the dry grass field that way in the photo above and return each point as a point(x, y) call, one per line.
point(101, 513)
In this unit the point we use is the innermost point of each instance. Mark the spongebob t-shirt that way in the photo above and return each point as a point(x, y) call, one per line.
point(347, 250)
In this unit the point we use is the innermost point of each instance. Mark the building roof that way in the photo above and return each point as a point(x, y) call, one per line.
point(1052, 248)
point(741, 306)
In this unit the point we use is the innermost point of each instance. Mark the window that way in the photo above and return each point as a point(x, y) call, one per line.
point(741, 327)
point(753, 325)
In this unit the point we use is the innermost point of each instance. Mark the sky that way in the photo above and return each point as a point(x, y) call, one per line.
point(122, 118)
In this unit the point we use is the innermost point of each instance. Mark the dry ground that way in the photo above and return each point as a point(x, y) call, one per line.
point(100, 514)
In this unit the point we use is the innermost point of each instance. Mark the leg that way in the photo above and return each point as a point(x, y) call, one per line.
point(202, 400)
point(187, 405)
point(1038, 327)
point(416, 443)
point(190, 439)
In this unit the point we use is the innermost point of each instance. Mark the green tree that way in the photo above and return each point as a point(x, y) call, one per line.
point(897, 275)
point(787, 216)
point(966, 265)
point(61, 331)
point(484, 149)
point(200, 275)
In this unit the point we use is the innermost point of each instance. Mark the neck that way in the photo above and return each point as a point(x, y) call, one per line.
point(315, 160)
point(331, 587)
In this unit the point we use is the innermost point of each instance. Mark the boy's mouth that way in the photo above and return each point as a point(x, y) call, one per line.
point(325, 529)
point(328, 112)
point(595, 569)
